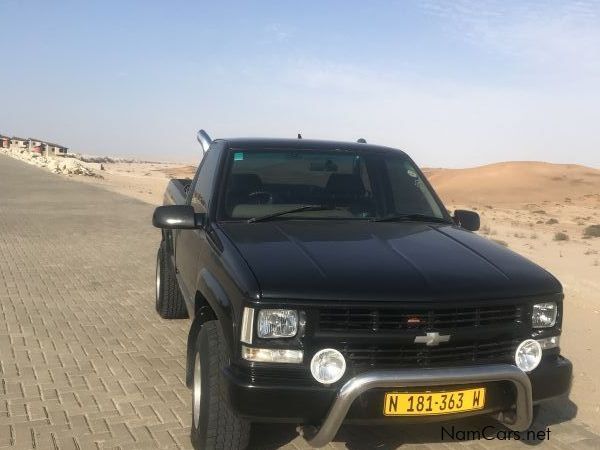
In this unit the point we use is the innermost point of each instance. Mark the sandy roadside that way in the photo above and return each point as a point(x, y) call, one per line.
point(526, 225)
point(144, 181)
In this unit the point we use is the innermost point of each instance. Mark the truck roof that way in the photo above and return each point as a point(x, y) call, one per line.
point(304, 144)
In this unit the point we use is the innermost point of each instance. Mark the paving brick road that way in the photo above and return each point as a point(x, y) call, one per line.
point(86, 363)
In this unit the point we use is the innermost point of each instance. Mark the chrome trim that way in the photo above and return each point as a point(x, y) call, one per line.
point(247, 325)
point(158, 280)
point(518, 420)
point(204, 140)
point(197, 390)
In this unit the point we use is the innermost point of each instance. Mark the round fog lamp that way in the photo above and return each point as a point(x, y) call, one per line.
point(528, 355)
point(328, 366)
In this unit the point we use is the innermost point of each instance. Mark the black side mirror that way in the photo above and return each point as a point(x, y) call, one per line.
point(175, 217)
point(468, 220)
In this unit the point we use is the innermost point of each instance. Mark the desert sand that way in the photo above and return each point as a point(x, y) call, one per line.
point(522, 205)
point(144, 181)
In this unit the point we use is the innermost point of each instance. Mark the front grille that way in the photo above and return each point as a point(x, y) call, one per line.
point(395, 319)
point(396, 356)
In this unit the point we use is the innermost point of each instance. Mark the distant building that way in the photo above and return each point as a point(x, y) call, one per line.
point(46, 148)
point(19, 143)
point(4, 141)
point(55, 149)
point(35, 145)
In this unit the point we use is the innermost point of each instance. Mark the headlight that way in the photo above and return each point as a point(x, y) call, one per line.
point(528, 355)
point(277, 323)
point(544, 315)
point(328, 366)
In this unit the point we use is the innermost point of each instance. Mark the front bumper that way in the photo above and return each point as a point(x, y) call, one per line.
point(515, 393)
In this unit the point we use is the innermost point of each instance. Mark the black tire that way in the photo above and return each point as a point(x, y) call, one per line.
point(215, 426)
point(169, 301)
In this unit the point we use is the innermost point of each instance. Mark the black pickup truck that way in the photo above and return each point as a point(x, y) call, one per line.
point(326, 283)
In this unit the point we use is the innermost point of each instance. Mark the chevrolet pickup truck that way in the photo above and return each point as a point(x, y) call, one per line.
point(326, 283)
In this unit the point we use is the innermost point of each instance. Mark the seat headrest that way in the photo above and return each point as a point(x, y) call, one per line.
point(245, 182)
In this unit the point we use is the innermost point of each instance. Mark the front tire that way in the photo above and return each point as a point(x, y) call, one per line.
point(215, 426)
point(169, 301)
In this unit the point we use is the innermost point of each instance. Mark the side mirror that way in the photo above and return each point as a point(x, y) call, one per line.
point(175, 217)
point(468, 220)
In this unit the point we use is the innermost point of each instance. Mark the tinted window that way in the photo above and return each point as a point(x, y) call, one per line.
point(351, 185)
point(204, 183)
point(409, 192)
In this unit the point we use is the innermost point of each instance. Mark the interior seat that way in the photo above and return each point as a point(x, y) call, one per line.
point(240, 187)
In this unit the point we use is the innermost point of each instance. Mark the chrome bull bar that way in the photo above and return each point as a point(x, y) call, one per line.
point(518, 420)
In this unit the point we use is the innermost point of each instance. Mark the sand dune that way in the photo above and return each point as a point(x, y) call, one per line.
point(512, 183)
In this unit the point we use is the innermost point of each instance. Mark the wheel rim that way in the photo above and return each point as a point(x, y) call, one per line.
point(157, 278)
point(197, 393)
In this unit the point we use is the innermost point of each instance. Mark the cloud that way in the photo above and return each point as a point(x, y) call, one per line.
point(439, 122)
point(277, 32)
point(556, 35)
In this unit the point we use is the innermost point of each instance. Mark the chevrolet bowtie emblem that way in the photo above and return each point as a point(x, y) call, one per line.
point(432, 339)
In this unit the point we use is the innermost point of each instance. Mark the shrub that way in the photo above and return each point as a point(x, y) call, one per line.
point(539, 211)
point(498, 241)
point(551, 221)
point(592, 231)
point(560, 236)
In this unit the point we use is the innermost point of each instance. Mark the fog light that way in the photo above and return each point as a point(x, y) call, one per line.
point(272, 355)
point(528, 355)
point(550, 342)
point(328, 366)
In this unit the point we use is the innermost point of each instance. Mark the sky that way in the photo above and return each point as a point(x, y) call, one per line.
point(454, 83)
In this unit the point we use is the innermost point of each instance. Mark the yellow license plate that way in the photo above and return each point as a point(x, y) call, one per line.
point(433, 403)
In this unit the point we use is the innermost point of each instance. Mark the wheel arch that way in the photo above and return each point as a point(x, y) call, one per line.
point(202, 314)
point(210, 303)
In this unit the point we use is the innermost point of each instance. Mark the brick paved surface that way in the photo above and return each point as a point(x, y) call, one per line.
point(85, 362)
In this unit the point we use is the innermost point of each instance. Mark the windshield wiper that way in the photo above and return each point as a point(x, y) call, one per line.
point(411, 218)
point(290, 211)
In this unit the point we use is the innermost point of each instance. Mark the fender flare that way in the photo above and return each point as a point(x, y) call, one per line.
point(217, 307)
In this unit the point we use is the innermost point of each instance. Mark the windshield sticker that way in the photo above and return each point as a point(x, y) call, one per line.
point(412, 173)
point(238, 156)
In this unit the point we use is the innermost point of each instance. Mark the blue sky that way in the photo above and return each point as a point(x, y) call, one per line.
point(454, 83)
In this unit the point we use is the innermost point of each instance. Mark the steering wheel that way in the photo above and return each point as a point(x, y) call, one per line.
point(262, 197)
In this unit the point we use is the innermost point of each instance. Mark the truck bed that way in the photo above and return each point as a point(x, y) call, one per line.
point(176, 191)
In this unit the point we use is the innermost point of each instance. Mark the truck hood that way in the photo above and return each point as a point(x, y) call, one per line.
point(364, 260)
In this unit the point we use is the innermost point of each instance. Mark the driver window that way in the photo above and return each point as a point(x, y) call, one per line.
point(204, 183)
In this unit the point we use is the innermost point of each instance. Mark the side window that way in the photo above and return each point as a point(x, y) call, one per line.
point(204, 183)
point(409, 192)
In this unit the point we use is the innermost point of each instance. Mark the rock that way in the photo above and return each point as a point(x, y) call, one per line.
point(64, 166)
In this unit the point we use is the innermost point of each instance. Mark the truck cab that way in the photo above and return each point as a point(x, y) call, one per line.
point(326, 283)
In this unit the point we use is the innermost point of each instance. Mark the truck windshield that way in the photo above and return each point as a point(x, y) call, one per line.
point(309, 184)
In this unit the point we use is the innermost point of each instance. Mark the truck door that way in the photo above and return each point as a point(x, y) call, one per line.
point(190, 244)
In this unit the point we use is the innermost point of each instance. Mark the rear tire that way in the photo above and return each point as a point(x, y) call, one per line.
point(215, 426)
point(169, 301)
